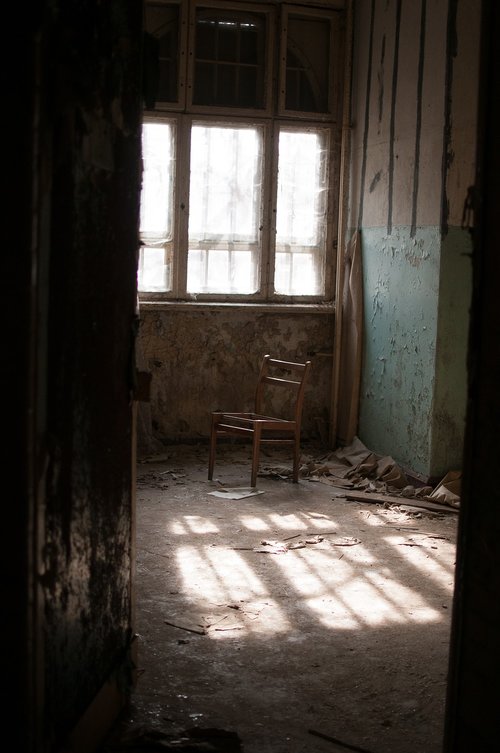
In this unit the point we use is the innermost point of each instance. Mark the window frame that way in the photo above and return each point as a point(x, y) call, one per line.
point(262, 220)
point(183, 114)
point(225, 5)
point(333, 96)
point(177, 104)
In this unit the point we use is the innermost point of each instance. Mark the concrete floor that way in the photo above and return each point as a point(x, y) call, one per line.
point(334, 636)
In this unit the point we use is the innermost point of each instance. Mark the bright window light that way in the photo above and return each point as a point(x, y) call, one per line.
point(224, 209)
point(156, 218)
point(301, 215)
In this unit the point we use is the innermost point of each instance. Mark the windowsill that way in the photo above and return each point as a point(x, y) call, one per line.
point(261, 308)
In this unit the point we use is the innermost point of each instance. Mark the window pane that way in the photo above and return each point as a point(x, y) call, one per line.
point(247, 87)
point(162, 26)
point(301, 214)
point(229, 54)
point(228, 45)
point(307, 64)
point(155, 269)
point(224, 209)
point(156, 217)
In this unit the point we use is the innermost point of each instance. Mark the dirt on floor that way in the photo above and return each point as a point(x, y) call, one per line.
point(289, 621)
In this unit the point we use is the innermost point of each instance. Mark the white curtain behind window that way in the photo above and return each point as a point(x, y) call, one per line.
point(224, 209)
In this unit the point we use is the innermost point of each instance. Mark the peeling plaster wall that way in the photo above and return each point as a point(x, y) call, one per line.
point(415, 73)
point(207, 360)
point(400, 341)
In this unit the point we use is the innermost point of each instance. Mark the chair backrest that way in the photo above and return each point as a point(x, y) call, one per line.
point(285, 375)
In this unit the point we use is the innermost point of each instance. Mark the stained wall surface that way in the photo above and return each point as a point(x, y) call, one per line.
point(413, 149)
point(208, 359)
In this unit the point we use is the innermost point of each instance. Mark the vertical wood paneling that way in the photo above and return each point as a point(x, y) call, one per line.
point(398, 140)
point(451, 51)
point(360, 57)
point(464, 110)
point(366, 126)
point(394, 88)
point(377, 144)
point(432, 121)
point(405, 115)
point(418, 129)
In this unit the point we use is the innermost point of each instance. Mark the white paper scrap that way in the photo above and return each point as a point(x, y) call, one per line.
point(238, 492)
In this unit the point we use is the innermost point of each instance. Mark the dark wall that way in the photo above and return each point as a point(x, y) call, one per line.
point(473, 712)
point(79, 151)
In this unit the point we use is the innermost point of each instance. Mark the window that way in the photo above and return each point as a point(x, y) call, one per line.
point(225, 211)
point(301, 212)
point(229, 59)
point(156, 257)
point(239, 162)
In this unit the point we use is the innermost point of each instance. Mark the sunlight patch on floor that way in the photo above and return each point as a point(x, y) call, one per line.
point(223, 578)
point(332, 613)
point(419, 553)
point(198, 524)
point(288, 522)
point(178, 528)
point(342, 585)
point(254, 524)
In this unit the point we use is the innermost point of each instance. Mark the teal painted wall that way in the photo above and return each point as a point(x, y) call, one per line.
point(450, 381)
point(400, 282)
point(413, 392)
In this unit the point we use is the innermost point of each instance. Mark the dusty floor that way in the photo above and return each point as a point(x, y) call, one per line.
point(333, 637)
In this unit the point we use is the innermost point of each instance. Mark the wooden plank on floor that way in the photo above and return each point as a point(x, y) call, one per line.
point(376, 498)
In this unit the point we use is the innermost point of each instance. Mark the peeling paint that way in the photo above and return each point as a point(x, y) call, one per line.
point(375, 180)
point(416, 294)
point(397, 406)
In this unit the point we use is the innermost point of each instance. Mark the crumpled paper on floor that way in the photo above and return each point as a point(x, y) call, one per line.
point(448, 489)
point(355, 466)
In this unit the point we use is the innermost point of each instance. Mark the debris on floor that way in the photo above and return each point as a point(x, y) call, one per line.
point(448, 490)
point(193, 740)
point(400, 501)
point(336, 741)
point(196, 631)
point(355, 467)
point(281, 547)
point(276, 471)
point(239, 492)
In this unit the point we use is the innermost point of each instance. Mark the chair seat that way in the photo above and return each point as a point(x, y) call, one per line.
point(270, 427)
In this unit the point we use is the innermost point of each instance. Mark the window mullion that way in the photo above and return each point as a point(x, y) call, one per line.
point(182, 206)
point(268, 224)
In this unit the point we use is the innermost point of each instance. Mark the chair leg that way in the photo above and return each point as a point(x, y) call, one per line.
point(255, 455)
point(296, 460)
point(211, 453)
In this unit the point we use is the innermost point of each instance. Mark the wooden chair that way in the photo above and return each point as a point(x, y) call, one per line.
point(262, 429)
